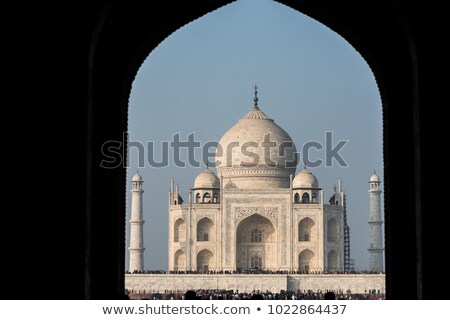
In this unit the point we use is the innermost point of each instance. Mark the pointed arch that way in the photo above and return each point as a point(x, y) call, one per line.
point(256, 236)
point(332, 230)
point(306, 261)
point(307, 230)
point(179, 231)
point(205, 261)
point(335, 20)
point(205, 230)
point(179, 260)
point(206, 197)
point(305, 197)
point(333, 260)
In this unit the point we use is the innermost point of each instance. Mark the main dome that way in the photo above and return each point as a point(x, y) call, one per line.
point(256, 152)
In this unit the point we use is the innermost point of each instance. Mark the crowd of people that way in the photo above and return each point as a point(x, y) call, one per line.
point(248, 271)
point(203, 294)
point(216, 294)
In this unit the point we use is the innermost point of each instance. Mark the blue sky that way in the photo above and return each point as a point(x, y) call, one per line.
point(200, 80)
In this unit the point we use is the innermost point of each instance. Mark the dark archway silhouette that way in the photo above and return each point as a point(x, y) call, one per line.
point(85, 77)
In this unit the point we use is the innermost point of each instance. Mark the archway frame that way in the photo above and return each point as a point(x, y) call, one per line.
point(123, 38)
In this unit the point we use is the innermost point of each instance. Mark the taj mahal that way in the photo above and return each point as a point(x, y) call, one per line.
point(256, 212)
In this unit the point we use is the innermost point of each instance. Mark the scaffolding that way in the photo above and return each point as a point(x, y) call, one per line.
point(349, 264)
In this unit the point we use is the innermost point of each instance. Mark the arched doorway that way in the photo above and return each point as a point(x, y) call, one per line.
point(306, 261)
point(205, 261)
point(333, 261)
point(256, 243)
point(307, 230)
point(179, 261)
point(305, 197)
point(179, 231)
point(332, 230)
point(205, 230)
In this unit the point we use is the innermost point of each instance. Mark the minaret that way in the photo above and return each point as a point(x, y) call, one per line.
point(136, 225)
point(375, 222)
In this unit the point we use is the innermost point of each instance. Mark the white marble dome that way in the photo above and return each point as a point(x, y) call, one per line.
point(243, 156)
point(305, 179)
point(137, 177)
point(206, 180)
point(374, 178)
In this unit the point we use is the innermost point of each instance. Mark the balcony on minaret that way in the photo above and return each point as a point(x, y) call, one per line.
point(374, 183)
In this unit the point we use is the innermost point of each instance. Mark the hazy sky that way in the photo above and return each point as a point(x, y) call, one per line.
point(200, 80)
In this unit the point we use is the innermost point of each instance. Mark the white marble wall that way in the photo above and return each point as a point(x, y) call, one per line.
point(275, 206)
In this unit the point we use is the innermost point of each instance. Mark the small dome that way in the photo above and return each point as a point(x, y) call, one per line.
point(206, 180)
point(305, 179)
point(137, 177)
point(230, 185)
point(374, 178)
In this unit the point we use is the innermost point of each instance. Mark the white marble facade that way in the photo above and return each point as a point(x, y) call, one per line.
point(256, 212)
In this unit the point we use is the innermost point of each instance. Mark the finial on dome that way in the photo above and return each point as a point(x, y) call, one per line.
point(256, 113)
point(255, 99)
point(304, 166)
